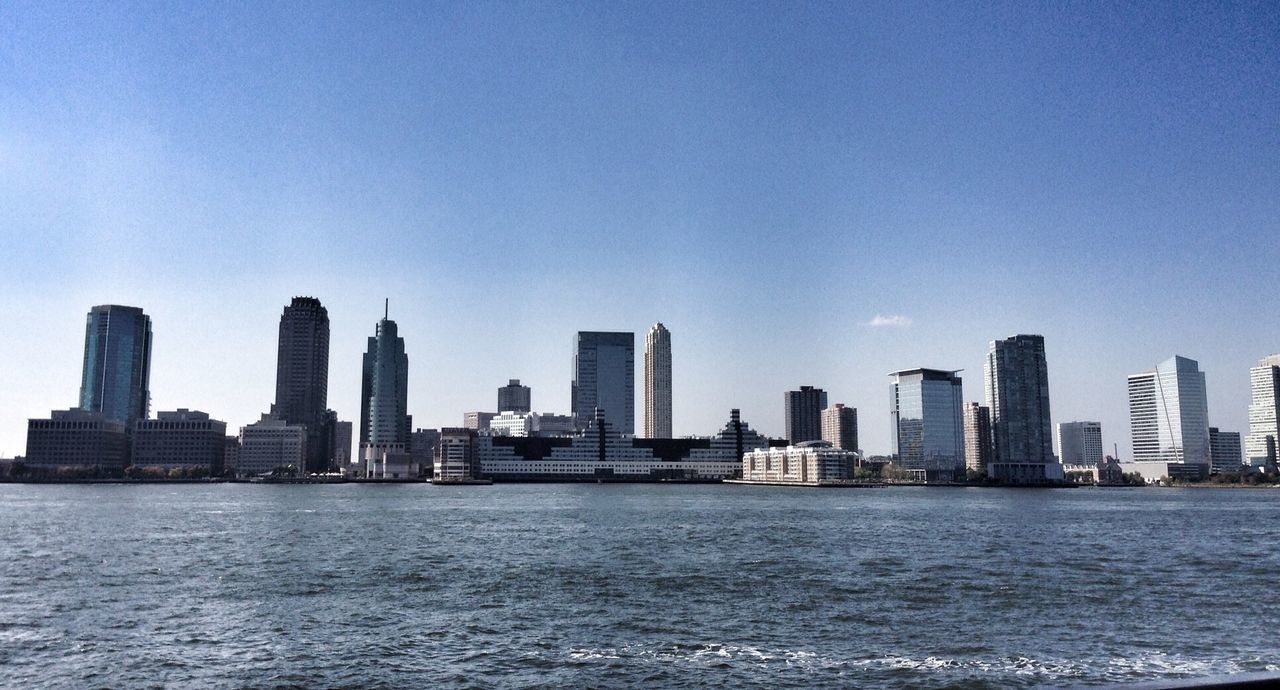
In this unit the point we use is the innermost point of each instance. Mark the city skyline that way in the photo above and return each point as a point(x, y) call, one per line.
point(619, 165)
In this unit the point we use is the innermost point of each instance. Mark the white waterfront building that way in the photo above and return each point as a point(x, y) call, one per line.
point(1169, 413)
point(1260, 446)
point(657, 382)
point(808, 463)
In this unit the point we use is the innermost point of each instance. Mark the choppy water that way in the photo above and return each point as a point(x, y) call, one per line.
point(234, 585)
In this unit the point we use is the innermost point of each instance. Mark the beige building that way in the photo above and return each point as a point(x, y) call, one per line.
point(809, 464)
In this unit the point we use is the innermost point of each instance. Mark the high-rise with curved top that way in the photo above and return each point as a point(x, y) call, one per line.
point(384, 417)
point(116, 378)
point(657, 382)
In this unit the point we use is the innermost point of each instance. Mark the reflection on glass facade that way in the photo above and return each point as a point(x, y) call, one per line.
point(384, 389)
point(928, 426)
point(116, 378)
point(604, 377)
point(1169, 413)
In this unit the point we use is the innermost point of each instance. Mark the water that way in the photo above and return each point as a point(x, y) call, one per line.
point(233, 585)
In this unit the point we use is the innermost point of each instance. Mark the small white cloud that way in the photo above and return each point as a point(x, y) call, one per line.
point(896, 321)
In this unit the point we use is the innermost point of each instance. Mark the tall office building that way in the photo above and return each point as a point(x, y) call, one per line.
point(1080, 443)
point(1264, 412)
point(803, 410)
point(302, 376)
point(1169, 413)
point(928, 427)
point(1224, 450)
point(977, 436)
point(514, 397)
point(1017, 392)
point(604, 377)
point(116, 378)
point(840, 426)
point(384, 389)
point(657, 382)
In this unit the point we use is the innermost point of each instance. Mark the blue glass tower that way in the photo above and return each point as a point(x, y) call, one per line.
point(116, 379)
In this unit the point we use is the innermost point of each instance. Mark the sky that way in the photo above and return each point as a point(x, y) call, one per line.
point(803, 193)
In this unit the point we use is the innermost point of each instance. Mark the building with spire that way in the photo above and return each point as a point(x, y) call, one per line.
point(116, 377)
point(384, 388)
point(657, 382)
point(302, 377)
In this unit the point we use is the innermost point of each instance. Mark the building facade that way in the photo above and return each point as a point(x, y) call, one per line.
point(456, 455)
point(532, 424)
point(1080, 443)
point(1224, 450)
point(342, 444)
point(477, 421)
point(1016, 374)
point(657, 382)
point(840, 426)
point(1264, 412)
point(514, 397)
point(384, 389)
point(604, 378)
point(77, 438)
point(811, 463)
point(977, 437)
point(116, 377)
point(1169, 413)
point(182, 438)
point(802, 411)
point(302, 377)
point(928, 424)
point(271, 444)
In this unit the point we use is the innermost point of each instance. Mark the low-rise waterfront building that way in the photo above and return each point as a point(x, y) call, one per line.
point(271, 444)
point(181, 438)
point(811, 463)
point(1224, 450)
point(77, 438)
point(456, 455)
point(230, 455)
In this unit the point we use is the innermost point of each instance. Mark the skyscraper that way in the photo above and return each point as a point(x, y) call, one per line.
point(604, 376)
point(657, 382)
point(1080, 443)
point(1169, 413)
point(1264, 412)
point(977, 436)
point(803, 412)
point(384, 389)
point(1224, 450)
point(840, 426)
point(1017, 391)
point(514, 397)
point(116, 377)
point(302, 376)
point(928, 428)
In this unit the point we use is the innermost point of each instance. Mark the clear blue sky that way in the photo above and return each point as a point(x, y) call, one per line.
point(765, 179)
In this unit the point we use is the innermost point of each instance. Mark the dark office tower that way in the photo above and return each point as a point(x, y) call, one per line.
point(604, 376)
point(514, 397)
point(302, 376)
point(116, 379)
point(384, 390)
point(804, 414)
point(1017, 392)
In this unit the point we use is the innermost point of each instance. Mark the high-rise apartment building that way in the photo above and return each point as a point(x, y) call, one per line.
point(927, 423)
point(1224, 450)
point(116, 377)
point(657, 382)
point(1080, 443)
point(302, 376)
point(1017, 393)
point(977, 436)
point(1169, 413)
point(514, 397)
point(604, 377)
point(1264, 412)
point(803, 414)
point(840, 426)
point(384, 389)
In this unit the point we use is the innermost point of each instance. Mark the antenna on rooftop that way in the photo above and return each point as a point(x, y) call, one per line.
point(386, 308)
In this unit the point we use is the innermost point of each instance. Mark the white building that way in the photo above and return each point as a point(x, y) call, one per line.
point(1080, 443)
point(1260, 447)
point(1169, 413)
point(809, 463)
point(531, 424)
point(455, 455)
point(270, 443)
point(657, 382)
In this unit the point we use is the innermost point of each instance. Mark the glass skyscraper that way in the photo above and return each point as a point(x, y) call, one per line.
point(384, 389)
point(1264, 412)
point(116, 378)
point(1169, 413)
point(928, 425)
point(1017, 393)
point(604, 376)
